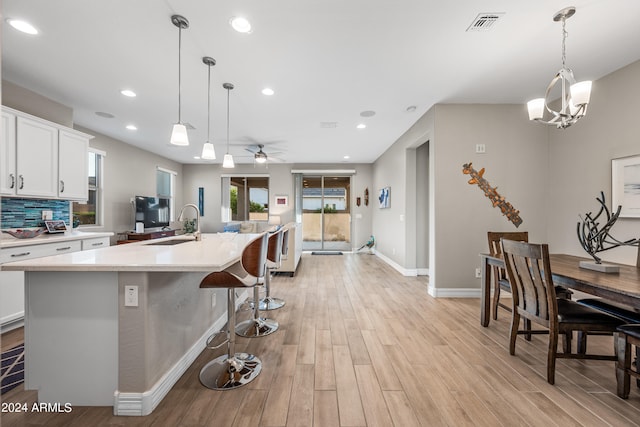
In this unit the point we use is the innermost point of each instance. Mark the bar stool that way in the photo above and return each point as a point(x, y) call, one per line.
point(259, 326)
point(627, 335)
point(278, 248)
point(233, 369)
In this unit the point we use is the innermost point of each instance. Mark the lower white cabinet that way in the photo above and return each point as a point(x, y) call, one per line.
point(12, 282)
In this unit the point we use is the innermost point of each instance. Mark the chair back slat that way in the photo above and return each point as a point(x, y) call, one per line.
point(274, 251)
point(254, 256)
point(529, 273)
point(285, 242)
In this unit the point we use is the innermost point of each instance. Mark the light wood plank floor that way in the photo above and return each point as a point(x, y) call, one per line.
point(361, 345)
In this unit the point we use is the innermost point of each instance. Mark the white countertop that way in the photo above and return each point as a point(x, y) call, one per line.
point(8, 241)
point(213, 253)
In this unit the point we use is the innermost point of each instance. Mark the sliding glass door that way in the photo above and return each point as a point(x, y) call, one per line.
point(326, 213)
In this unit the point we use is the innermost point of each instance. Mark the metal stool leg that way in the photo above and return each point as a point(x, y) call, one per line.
point(233, 369)
point(257, 326)
point(269, 302)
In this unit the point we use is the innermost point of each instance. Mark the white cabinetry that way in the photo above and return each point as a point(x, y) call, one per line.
point(72, 166)
point(8, 177)
point(36, 158)
point(42, 159)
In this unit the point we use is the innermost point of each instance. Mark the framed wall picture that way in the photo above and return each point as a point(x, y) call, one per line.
point(384, 198)
point(282, 201)
point(625, 186)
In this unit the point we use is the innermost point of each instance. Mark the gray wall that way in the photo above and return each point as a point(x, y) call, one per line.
point(580, 162)
point(550, 175)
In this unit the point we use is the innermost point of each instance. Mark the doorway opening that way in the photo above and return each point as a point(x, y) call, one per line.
point(326, 213)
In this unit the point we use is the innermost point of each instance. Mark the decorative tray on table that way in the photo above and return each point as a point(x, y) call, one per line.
point(25, 233)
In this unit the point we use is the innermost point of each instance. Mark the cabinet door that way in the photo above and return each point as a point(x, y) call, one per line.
point(72, 166)
point(37, 158)
point(8, 177)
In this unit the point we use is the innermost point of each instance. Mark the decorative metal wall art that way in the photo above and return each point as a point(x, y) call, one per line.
point(595, 238)
point(497, 200)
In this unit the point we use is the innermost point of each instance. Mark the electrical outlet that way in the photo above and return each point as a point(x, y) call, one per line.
point(130, 296)
point(478, 273)
point(214, 298)
point(47, 215)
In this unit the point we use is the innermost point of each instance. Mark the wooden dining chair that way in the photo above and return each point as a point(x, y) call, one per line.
point(627, 335)
point(534, 298)
point(499, 275)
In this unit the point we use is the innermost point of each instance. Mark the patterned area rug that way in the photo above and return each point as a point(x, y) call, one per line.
point(12, 372)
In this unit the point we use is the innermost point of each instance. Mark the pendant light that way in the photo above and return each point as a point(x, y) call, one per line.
point(574, 96)
point(208, 151)
point(228, 158)
point(179, 134)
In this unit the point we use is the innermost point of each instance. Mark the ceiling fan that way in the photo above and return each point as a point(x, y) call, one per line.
point(259, 156)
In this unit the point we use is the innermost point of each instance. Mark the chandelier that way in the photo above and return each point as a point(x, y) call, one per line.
point(574, 96)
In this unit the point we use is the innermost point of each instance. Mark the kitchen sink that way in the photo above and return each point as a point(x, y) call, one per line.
point(170, 242)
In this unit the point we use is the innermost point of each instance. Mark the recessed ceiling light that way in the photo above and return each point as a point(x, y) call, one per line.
point(346, 157)
point(22, 26)
point(128, 92)
point(240, 24)
point(105, 115)
point(411, 108)
point(361, 126)
point(267, 91)
point(132, 127)
point(196, 157)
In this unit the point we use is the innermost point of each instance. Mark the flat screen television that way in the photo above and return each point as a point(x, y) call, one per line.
point(153, 212)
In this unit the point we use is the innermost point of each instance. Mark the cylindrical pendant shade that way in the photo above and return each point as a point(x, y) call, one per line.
point(179, 135)
point(581, 92)
point(228, 161)
point(536, 108)
point(208, 152)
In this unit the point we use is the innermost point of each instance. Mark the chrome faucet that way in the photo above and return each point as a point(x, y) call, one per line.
point(196, 233)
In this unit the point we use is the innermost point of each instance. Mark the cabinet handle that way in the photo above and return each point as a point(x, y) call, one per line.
point(97, 244)
point(13, 180)
point(66, 248)
point(61, 186)
point(20, 254)
point(21, 181)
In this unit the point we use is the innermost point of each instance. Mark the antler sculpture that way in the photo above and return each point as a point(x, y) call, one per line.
point(594, 239)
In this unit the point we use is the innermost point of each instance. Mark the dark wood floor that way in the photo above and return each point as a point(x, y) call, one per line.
point(361, 345)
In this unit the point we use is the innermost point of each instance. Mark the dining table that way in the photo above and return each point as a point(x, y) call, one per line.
point(622, 286)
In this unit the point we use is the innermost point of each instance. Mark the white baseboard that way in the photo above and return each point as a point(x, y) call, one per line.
point(410, 272)
point(453, 292)
point(140, 404)
point(9, 323)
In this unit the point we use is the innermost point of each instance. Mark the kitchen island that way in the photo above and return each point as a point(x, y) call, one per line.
point(118, 326)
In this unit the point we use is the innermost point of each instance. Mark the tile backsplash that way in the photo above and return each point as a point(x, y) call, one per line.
point(22, 213)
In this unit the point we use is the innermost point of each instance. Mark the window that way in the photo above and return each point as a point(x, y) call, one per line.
point(245, 198)
point(90, 212)
point(166, 184)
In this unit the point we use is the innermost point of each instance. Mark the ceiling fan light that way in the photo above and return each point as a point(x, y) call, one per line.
point(208, 151)
point(260, 158)
point(536, 108)
point(227, 162)
point(179, 135)
point(581, 93)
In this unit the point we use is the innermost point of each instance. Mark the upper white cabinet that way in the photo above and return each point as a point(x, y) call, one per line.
point(37, 158)
point(8, 177)
point(72, 166)
point(42, 159)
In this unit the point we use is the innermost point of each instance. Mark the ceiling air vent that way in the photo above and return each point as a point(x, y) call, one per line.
point(484, 21)
point(328, 125)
